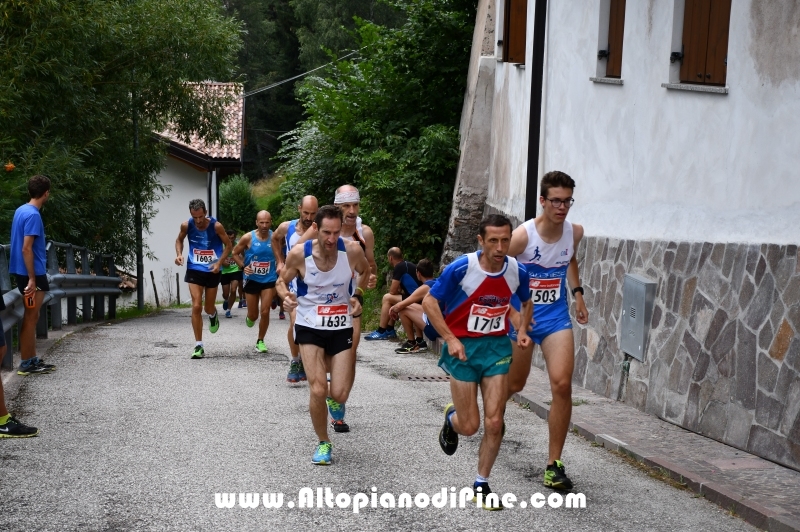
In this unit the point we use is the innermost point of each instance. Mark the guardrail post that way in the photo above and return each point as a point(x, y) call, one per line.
point(55, 305)
point(112, 300)
point(99, 299)
point(72, 302)
point(86, 305)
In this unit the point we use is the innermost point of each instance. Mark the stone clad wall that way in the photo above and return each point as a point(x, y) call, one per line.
point(723, 356)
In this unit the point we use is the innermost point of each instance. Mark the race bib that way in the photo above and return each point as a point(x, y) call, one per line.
point(487, 320)
point(260, 268)
point(333, 317)
point(204, 256)
point(545, 291)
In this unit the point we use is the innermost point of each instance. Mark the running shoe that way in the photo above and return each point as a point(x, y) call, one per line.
point(386, 335)
point(422, 347)
point(228, 314)
point(340, 426)
point(281, 315)
point(249, 322)
point(40, 363)
point(556, 477)
point(213, 323)
point(322, 456)
point(336, 410)
point(198, 352)
point(225, 305)
point(32, 367)
point(12, 428)
point(294, 372)
point(448, 438)
point(407, 347)
point(260, 347)
point(242, 303)
point(301, 371)
point(485, 491)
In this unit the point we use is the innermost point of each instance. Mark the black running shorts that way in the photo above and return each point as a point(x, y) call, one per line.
point(41, 283)
point(334, 342)
point(254, 287)
point(204, 279)
point(227, 278)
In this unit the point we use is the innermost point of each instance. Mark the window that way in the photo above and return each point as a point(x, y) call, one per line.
point(705, 41)
point(616, 29)
point(514, 31)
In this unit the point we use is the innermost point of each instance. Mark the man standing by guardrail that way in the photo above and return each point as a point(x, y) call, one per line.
point(28, 262)
point(9, 426)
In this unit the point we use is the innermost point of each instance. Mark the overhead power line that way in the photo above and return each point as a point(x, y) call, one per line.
point(268, 87)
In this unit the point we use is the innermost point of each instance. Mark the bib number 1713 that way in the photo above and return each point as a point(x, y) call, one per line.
point(487, 320)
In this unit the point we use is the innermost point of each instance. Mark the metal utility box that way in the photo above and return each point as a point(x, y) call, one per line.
point(638, 297)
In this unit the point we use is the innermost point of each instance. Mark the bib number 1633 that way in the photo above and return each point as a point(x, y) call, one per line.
point(487, 320)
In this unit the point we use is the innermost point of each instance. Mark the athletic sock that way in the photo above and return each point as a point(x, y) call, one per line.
point(381, 330)
point(295, 359)
point(4, 419)
point(198, 344)
point(450, 418)
point(420, 341)
point(481, 480)
point(211, 317)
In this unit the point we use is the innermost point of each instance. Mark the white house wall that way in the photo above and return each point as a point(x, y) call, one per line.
point(656, 163)
point(187, 184)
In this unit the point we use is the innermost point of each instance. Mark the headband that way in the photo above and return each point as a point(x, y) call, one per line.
point(347, 197)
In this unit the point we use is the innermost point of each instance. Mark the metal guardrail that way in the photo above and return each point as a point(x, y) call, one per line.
point(70, 285)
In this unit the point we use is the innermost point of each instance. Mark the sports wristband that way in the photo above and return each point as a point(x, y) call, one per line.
point(360, 298)
point(576, 290)
point(360, 290)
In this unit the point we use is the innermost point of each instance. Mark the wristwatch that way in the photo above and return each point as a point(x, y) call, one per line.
point(577, 289)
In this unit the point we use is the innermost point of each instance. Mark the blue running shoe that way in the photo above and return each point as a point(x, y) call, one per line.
point(335, 409)
point(294, 372)
point(322, 456)
point(301, 371)
point(225, 305)
point(386, 335)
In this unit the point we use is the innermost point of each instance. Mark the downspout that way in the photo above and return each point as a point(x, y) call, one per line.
point(209, 180)
point(535, 125)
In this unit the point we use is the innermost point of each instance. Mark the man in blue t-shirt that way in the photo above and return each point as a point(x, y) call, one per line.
point(410, 311)
point(28, 263)
point(404, 283)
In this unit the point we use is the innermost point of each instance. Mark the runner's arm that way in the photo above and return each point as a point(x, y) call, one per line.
point(417, 297)
point(238, 251)
point(573, 276)
point(226, 251)
point(179, 243)
point(27, 259)
point(278, 240)
point(369, 243)
point(454, 346)
point(291, 269)
point(358, 261)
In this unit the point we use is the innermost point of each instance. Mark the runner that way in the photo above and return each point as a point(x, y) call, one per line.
point(28, 263)
point(476, 290)
point(10, 427)
point(209, 246)
point(283, 240)
point(324, 302)
point(546, 247)
point(259, 274)
point(230, 279)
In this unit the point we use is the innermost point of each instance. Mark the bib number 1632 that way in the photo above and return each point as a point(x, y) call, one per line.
point(333, 317)
point(487, 320)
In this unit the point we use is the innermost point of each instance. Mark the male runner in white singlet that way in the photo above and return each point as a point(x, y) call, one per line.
point(546, 247)
point(284, 238)
point(325, 303)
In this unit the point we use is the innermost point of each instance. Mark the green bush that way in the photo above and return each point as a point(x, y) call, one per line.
point(237, 206)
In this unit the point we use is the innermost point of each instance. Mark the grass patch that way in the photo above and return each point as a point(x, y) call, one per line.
point(579, 402)
point(132, 311)
point(268, 186)
point(371, 316)
point(658, 473)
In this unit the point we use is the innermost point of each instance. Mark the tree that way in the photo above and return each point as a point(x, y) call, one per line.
point(87, 83)
point(388, 122)
point(237, 207)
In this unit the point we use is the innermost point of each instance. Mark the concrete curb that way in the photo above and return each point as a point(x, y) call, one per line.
point(749, 510)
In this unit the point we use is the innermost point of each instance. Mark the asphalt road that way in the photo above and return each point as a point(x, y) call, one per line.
point(137, 436)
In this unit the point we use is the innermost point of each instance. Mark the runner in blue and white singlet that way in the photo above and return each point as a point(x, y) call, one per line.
point(254, 254)
point(325, 303)
point(546, 245)
point(285, 237)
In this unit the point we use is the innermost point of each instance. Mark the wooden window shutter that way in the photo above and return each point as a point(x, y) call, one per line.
point(516, 18)
point(616, 30)
point(705, 41)
point(716, 57)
